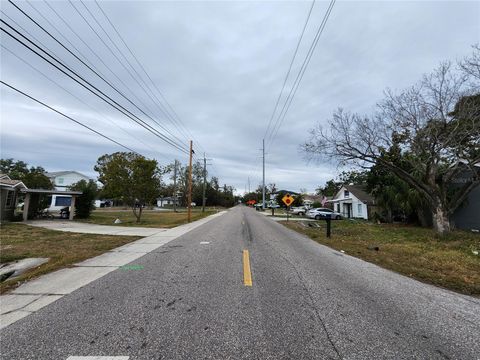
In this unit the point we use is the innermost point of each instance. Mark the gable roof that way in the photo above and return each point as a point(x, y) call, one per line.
point(54, 174)
point(6, 182)
point(360, 193)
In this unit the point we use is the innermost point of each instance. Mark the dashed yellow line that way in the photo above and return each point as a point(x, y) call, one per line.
point(247, 274)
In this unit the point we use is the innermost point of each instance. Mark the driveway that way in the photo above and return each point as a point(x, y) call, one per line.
point(86, 228)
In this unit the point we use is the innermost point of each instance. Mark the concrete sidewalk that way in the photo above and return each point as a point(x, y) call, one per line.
point(38, 293)
point(86, 228)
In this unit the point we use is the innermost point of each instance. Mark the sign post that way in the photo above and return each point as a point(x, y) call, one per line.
point(328, 218)
point(288, 200)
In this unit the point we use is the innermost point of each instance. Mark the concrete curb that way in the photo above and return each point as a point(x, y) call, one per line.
point(44, 290)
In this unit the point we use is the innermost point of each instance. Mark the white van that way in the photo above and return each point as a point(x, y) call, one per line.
point(58, 202)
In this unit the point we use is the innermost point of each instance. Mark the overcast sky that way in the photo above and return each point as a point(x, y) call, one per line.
point(221, 66)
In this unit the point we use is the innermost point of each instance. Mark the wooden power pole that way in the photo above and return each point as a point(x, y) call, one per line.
point(175, 195)
point(189, 216)
point(204, 199)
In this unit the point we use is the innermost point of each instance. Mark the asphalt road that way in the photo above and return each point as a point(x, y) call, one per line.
point(306, 301)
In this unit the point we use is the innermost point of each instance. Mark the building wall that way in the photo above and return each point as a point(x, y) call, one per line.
point(467, 217)
point(7, 210)
point(62, 182)
point(358, 208)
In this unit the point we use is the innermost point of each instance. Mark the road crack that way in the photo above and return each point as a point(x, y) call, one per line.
point(312, 305)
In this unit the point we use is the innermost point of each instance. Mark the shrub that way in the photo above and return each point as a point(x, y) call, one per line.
point(84, 203)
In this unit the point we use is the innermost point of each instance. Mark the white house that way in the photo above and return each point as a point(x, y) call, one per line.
point(352, 201)
point(61, 180)
point(166, 201)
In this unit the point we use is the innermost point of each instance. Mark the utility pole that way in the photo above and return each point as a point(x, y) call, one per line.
point(175, 187)
point(263, 182)
point(204, 182)
point(189, 216)
point(249, 185)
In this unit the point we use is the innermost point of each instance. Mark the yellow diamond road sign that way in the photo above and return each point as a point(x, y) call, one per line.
point(288, 199)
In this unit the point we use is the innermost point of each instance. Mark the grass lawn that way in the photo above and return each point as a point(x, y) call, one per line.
point(150, 218)
point(412, 251)
point(20, 241)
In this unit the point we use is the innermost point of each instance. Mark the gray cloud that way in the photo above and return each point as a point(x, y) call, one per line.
point(221, 65)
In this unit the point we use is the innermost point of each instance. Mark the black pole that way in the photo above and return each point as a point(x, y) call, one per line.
point(328, 220)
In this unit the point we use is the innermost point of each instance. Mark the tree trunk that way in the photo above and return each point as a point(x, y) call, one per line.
point(441, 222)
point(139, 214)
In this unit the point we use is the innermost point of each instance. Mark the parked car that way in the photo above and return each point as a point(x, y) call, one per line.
point(273, 205)
point(322, 213)
point(299, 210)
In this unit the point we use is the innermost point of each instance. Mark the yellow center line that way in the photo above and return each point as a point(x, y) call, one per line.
point(247, 275)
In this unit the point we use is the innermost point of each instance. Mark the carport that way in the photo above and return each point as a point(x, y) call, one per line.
point(29, 192)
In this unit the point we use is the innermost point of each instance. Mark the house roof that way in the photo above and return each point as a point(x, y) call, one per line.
point(54, 174)
point(360, 193)
point(318, 198)
point(6, 182)
point(51, 192)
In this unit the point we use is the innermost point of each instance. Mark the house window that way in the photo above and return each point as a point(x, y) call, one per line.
point(60, 180)
point(63, 201)
point(10, 199)
point(359, 209)
point(338, 208)
point(346, 193)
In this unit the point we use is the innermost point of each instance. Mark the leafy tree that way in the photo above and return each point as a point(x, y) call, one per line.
point(252, 196)
point(330, 189)
point(353, 177)
point(131, 178)
point(434, 129)
point(33, 177)
point(84, 203)
point(393, 195)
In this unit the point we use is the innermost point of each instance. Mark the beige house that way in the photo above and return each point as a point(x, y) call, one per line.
point(9, 190)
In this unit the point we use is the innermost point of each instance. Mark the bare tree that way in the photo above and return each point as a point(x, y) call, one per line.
point(433, 127)
point(471, 65)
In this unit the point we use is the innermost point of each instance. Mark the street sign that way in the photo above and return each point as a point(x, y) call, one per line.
point(288, 199)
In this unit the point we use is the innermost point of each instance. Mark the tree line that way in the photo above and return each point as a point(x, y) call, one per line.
point(129, 179)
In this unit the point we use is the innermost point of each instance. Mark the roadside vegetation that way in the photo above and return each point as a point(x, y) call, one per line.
point(420, 145)
point(447, 261)
point(63, 248)
point(160, 219)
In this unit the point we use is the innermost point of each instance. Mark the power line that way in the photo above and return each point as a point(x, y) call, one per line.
point(149, 93)
point(155, 131)
point(122, 64)
point(176, 117)
point(289, 68)
point(115, 104)
point(291, 95)
point(76, 97)
point(68, 117)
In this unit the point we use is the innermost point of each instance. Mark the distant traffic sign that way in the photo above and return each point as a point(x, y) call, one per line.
point(288, 199)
